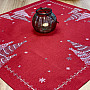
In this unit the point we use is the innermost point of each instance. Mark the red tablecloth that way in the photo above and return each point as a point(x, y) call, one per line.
point(55, 61)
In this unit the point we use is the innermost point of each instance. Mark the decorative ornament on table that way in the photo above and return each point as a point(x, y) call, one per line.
point(6, 50)
point(82, 51)
point(44, 20)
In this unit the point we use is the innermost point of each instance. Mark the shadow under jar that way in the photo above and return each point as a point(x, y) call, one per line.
point(44, 21)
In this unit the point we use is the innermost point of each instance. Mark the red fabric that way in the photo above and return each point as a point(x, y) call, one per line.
point(50, 57)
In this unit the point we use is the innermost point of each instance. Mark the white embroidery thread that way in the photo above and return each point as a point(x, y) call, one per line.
point(83, 16)
point(5, 59)
point(22, 13)
point(75, 10)
point(19, 77)
point(7, 16)
point(82, 51)
point(70, 78)
point(5, 45)
point(77, 15)
point(6, 50)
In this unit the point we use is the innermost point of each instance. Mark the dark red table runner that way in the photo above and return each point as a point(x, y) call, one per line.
point(55, 61)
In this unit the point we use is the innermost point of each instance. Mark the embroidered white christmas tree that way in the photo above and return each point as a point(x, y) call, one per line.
point(7, 50)
point(4, 59)
point(7, 16)
point(84, 16)
point(21, 15)
point(82, 51)
point(75, 10)
point(5, 45)
point(77, 15)
point(74, 17)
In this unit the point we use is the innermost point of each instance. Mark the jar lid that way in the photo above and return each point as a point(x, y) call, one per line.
point(44, 11)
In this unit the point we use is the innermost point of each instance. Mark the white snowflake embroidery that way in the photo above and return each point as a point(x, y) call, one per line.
point(42, 80)
point(69, 58)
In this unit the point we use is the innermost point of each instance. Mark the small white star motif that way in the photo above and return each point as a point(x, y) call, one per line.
point(49, 71)
point(2, 30)
point(67, 68)
point(61, 14)
point(34, 8)
point(49, 4)
point(69, 58)
point(13, 22)
point(46, 58)
point(41, 80)
point(25, 37)
point(26, 52)
point(2, 40)
point(60, 41)
point(87, 39)
point(19, 66)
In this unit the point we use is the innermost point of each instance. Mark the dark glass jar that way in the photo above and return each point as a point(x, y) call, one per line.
point(44, 20)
